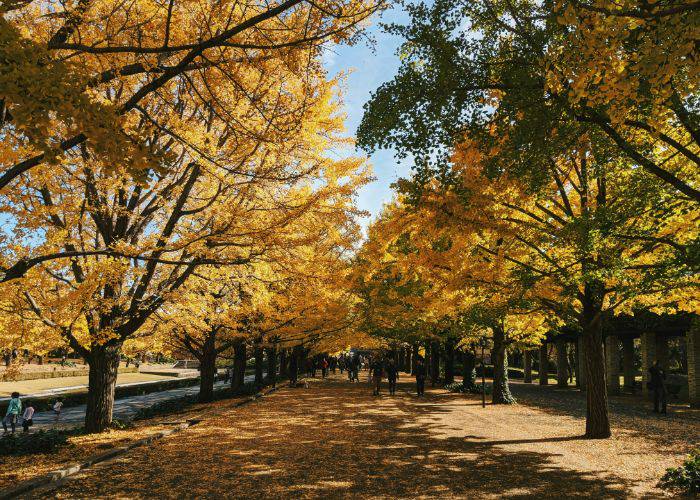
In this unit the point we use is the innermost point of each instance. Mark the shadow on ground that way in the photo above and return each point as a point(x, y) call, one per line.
point(335, 440)
point(633, 414)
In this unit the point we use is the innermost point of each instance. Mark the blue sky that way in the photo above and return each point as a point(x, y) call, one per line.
point(368, 70)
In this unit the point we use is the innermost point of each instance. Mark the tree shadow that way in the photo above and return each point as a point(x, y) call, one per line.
point(674, 432)
point(335, 440)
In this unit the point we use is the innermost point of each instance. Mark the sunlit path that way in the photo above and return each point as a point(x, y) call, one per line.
point(335, 439)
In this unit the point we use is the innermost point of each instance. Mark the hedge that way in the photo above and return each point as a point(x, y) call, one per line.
point(61, 374)
point(79, 397)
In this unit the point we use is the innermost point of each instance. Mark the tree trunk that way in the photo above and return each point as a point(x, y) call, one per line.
point(449, 361)
point(401, 360)
point(501, 391)
point(468, 368)
point(239, 362)
point(527, 362)
point(434, 363)
point(102, 379)
point(543, 369)
point(258, 354)
point(597, 420)
point(562, 363)
point(272, 365)
point(207, 370)
point(293, 371)
point(283, 363)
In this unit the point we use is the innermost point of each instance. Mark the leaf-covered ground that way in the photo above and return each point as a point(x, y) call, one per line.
point(334, 439)
point(22, 468)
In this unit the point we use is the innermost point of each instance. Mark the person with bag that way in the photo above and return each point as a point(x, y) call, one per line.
point(28, 417)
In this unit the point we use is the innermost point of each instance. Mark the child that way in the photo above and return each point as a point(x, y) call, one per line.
point(57, 406)
point(12, 414)
point(27, 418)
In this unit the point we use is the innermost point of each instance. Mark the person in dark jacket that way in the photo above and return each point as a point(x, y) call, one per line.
point(392, 373)
point(376, 371)
point(657, 384)
point(420, 374)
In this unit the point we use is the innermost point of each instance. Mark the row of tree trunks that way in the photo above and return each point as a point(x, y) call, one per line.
point(414, 358)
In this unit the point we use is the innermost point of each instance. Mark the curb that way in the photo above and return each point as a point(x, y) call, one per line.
point(53, 478)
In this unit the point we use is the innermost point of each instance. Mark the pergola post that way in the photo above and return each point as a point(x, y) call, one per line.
point(562, 374)
point(612, 364)
point(527, 360)
point(628, 370)
point(544, 365)
point(648, 348)
point(693, 347)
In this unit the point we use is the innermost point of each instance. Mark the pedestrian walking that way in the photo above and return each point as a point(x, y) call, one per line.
point(57, 407)
point(12, 415)
point(392, 374)
point(657, 384)
point(376, 371)
point(324, 367)
point(28, 417)
point(420, 373)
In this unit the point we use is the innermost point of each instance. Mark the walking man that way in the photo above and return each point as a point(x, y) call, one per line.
point(376, 370)
point(658, 385)
point(420, 376)
point(392, 373)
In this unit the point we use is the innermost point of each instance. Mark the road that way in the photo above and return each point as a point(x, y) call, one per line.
point(124, 408)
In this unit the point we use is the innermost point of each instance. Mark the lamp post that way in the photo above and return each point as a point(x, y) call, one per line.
point(483, 342)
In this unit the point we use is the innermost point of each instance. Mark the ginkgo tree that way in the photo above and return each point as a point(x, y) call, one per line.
point(423, 271)
point(531, 77)
point(138, 240)
point(101, 79)
point(598, 239)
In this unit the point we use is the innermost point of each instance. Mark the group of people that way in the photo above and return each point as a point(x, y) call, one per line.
point(14, 410)
point(379, 368)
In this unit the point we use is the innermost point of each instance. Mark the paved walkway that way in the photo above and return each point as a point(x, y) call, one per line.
point(124, 408)
point(334, 440)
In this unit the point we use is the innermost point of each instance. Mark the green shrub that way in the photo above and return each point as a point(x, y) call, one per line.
point(474, 389)
point(37, 442)
point(684, 479)
point(120, 425)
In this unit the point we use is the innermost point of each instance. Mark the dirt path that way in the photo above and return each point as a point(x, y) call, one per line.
point(335, 440)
